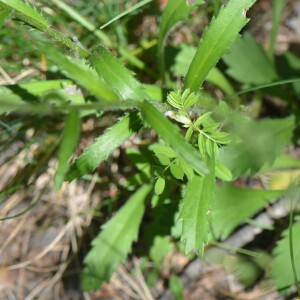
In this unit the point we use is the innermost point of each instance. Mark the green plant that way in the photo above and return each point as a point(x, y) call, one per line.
point(210, 140)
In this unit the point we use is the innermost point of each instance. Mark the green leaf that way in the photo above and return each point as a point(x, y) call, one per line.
point(202, 144)
point(171, 135)
point(104, 145)
point(223, 172)
point(174, 99)
point(68, 144)
point(261, 142)
point(31, 16)
point(159, 185)
point(197, 205)
point(281, 266)
point(248, 62)
point(176, 287)
point(4, 13)
point(219, 36)
point(80, 73)
point(233, 205)
point(27, 9)
point(160, 249)
point(174, 12)
point(183, 60)
point(119, 78)
point(177, 171)
point(163, 159)
point(112, 245)
point(162, 149)
point(203, 118)
point(13, 97)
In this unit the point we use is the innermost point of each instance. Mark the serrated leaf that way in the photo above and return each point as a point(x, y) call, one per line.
point(119, 78)
point(171, 135)
point(31, 16)
point(80, 73)
point(219, 36)
point(281, 266)
point(233, 205)
point(174, 12)
point(68, 144)
point(248, 62)
point(197, 205)
point(103, 146)
point(27, 9)
point(159, 185)
point(114, 242)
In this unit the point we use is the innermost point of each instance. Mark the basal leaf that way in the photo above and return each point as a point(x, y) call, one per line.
point(197, 205)
point(112, 245)
point(27, 9)
point(281, 266)
point(30, 15)
point(103, 146)
point(68, 144)
point(219, 36)
point(119, 78)
point(171, 135)
point(80, 73)
point(174, 12)
point(248, 62)
point(233, 205)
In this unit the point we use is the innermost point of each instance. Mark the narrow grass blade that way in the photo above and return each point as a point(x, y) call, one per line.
point(171, 135)
point(263, 86)
point(68, 144)
point(119, 78)
point(112, 245)
point(218, 37)
point(103, 146)
point(126, 12)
